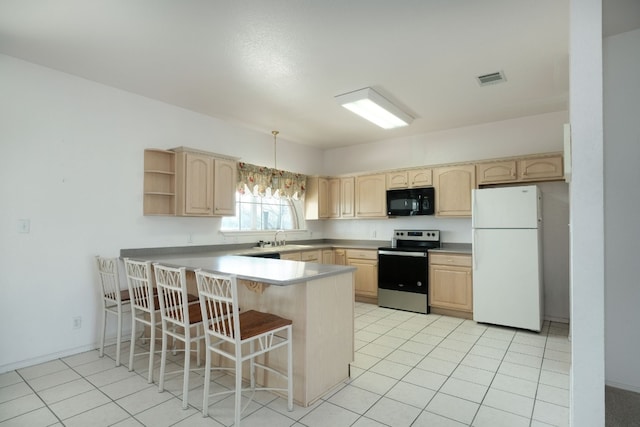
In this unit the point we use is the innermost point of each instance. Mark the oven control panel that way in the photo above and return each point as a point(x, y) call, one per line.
point(420, 235)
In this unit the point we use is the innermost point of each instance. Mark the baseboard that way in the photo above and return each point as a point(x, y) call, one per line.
point(58, 355)
point(556, 319)
point(627, 387)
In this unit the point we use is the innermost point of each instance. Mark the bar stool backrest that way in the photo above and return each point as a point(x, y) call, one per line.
point(219, 298)
point(109, 280)
point(140, 282)
point(172, 294)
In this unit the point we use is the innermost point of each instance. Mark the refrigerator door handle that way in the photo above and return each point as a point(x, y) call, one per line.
point(473, 251)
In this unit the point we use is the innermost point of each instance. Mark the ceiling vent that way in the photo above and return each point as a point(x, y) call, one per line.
point(493, 78)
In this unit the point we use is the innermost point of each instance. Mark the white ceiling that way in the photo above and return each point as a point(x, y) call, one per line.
point(278, 64)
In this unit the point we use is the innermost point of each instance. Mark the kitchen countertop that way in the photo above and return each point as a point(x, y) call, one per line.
point(459, 248)
point(246, 249)
point(265, 270)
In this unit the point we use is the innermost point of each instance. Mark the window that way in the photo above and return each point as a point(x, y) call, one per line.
point(264, 213)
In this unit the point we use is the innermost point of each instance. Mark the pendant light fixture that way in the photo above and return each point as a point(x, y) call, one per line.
point(275, 178)
point(275, 150)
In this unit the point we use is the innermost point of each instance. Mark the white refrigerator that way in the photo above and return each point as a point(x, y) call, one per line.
point(507, 258)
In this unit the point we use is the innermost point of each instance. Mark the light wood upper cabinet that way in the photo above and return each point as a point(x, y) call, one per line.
point(397, 179)
point(194, 178)
point(205, 185)
point(450, 282)
point(347, 197)
point(453, 185)
point(540, 169)
point(495, 172)
point(224, 191)
point(159, 182)
point(411, 178)
point(420, 178)
point(545, 168)
point(316, 198)
point(371, 196)
point(333, 207)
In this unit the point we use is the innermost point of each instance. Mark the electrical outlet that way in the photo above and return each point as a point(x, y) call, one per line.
point(77, 322)
point(24, 225)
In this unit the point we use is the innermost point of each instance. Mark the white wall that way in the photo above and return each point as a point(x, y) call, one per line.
point(587, 206)
point(528, 135)
point(622, 204)
point(71, 162)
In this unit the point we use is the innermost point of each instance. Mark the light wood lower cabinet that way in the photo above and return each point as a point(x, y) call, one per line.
point(327, 256)
point(340, 256)
point(450, 284)
point(366, 277)
point(291, 256)
point(311, 256)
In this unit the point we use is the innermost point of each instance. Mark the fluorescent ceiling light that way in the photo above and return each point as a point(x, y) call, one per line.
point(374, 107)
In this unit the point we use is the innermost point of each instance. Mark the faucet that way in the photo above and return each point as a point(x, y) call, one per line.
point(281, 242)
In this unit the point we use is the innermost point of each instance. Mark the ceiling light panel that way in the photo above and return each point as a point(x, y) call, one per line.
point(374, 107)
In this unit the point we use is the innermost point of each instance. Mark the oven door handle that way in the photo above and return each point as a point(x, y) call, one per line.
point(400, 253)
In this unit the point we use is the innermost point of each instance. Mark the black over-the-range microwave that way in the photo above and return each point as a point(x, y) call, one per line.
point(413, 201)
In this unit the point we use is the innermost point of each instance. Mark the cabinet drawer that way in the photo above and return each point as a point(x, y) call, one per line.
point(313, 256)
point(362, 254)
point(450, 259)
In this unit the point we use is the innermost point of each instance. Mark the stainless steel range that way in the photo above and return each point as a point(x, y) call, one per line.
point(403, 270)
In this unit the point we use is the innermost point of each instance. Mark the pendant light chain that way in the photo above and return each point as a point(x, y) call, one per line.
point(275, 156)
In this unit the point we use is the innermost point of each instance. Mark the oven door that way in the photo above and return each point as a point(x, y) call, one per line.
point(402, 271)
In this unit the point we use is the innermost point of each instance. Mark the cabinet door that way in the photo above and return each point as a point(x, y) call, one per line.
point(494, 172)
point(340, 257)
point(398, 179)
point(366, 277)
point(323, 198)
point(450, 287)
point(334, 198)
point(316, 198)
point(540, 169)
point(371, 196)
point(224, 194)
point(453, 185)
point(347, 197)
point(327, 256)
point(198, 191)
point(420, 178)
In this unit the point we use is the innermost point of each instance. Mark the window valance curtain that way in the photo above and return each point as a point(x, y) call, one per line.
point(260, 178)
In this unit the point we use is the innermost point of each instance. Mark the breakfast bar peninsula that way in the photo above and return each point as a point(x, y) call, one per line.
point(318, 298)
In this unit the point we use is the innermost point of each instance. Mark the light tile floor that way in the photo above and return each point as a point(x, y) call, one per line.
point(409, 370)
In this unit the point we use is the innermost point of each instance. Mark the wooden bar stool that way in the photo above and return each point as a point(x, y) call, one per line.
point(179, 319)
point(239, 337)
point(113, 298)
